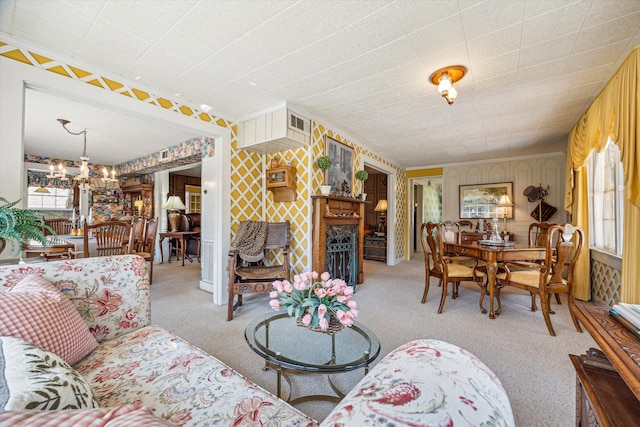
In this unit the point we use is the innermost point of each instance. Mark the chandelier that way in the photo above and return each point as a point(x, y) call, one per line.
point(60, 174)
point(83, 179)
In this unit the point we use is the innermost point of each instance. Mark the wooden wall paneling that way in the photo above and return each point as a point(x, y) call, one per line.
point(546, 170)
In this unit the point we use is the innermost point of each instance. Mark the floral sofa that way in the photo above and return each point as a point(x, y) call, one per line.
point(135, 373)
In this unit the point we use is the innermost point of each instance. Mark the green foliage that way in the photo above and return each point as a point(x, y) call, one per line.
point(324, 162)
point(17, 225)
point(362, 175)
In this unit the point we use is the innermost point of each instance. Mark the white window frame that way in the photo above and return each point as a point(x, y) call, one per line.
point(597, 197)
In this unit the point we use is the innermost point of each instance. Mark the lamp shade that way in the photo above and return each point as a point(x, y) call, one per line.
point(505, 201)
point(174, 203)
point(381, 206)
point(138, 203)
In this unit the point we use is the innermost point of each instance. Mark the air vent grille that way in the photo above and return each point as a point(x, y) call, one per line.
point(299, 123)
point(163, 156)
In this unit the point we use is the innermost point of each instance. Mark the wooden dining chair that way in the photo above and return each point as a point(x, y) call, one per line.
point(58, 226)
point(112, 238)
point(552, 275)
point(148, 243)
point(538, 233)
point(138, 233)
point(441, 266)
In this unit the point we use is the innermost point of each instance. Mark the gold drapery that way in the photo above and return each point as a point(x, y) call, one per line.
point(615, 113)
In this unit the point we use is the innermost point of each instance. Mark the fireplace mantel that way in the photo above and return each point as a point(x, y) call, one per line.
point(327, 211)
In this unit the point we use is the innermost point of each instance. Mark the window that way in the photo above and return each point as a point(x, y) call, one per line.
point(606, 199)
point(56, 199)
point(47, 194)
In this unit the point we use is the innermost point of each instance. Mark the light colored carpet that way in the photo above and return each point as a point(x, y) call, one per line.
point(533, 366)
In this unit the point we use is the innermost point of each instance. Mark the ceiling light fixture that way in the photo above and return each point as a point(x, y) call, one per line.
point(444, 78)
point(61, 173)
point(83, 178)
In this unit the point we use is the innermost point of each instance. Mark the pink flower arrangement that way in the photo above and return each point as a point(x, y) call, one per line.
point(315, 300)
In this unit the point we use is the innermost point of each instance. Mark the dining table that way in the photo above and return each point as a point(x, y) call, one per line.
point(492, 254)
point(78, 244)
point(55, 245)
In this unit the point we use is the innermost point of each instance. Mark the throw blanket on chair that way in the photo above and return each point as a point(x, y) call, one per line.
point(250, 240)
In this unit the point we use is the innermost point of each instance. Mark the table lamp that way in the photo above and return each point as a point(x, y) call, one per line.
point(504, 203)
point(139, 204)
point(174, 205)
point(382, 208)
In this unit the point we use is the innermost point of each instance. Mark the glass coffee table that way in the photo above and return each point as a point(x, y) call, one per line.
point(287, 347)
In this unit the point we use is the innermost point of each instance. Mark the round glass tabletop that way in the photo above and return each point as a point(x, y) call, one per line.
point(279, 340)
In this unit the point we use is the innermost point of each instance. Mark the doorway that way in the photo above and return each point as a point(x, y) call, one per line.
point(426, 199)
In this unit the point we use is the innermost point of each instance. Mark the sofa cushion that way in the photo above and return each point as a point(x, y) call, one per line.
point(125, 415)
point(37, 312)
point(33, 378)
point(179, 382)
point(426, 383)
point(110, 293)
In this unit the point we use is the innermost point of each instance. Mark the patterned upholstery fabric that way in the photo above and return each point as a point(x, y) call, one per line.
point(33, 378)
point(426, 383)
point(527, 277)
point(37, 312)
point(459, 270)
point(126, 415)
point(146, 365)
point(111, 293)
point(180, 383)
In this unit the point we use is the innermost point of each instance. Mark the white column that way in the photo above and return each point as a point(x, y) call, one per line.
point(161, 191)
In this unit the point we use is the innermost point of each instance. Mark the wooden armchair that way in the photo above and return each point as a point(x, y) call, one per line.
point(443, 267)
point(256, 277)
point(553, 275)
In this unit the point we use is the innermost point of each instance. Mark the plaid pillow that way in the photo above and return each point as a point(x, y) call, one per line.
point(35, 311)
point(125, 415)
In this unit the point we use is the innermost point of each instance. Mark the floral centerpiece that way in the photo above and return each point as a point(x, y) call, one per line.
point(316, 303)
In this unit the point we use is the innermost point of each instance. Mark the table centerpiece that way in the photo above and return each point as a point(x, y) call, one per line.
point(318, 302)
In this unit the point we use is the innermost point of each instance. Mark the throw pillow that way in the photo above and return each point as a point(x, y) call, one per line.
point(125, 415)
point(33, 378)
point(37, 312)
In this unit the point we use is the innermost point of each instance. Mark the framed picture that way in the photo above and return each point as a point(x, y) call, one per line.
point(340, 175)
point(481, 200)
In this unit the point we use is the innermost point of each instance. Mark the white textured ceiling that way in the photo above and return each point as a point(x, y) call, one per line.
point(361, 67)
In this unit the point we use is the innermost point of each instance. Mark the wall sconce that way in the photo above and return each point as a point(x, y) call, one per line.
point(444, 78)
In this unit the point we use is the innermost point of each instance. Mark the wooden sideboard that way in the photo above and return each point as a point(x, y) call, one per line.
point(328, 211)
point(607, 394)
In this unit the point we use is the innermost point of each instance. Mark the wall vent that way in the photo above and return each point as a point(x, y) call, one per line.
point(299, 123)
point(163, 156)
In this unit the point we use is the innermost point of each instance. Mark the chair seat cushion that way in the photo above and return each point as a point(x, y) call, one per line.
point(525, 277)
point(261, 272)
point(459, 270)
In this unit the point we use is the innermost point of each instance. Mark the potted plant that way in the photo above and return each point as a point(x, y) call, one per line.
point(17, 225)
point(362, 176)
point(324, 163)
